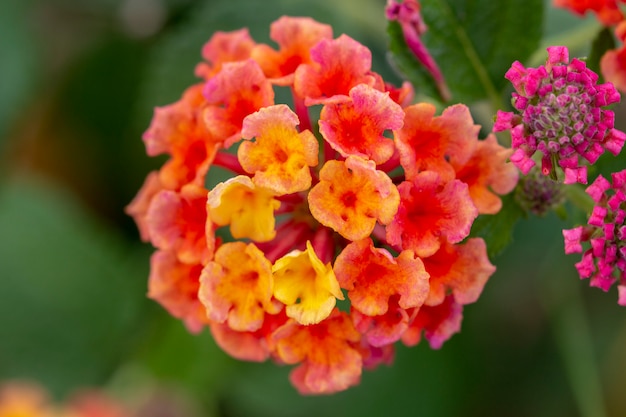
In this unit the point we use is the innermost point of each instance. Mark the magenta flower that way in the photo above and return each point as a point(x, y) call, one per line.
point(604, 261)
point(562, 115)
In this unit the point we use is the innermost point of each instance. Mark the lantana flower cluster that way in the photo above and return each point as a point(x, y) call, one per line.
point(604, 236)
point(328, 242)
point(562, 114)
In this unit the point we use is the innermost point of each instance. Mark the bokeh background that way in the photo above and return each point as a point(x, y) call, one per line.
point(78, 82)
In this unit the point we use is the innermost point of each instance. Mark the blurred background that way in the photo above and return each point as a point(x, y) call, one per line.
point(78, 83)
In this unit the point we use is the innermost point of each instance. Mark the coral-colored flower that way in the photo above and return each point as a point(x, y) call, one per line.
point(237, 287)
point(280, 156)
point(437, 323)
point(138, 208)
point(436, 143)
point(295, 36)
point(178, 130)
point(605, 259)
point(174, 285)
point(308, 288)
point(488, 175)
point(461, 270)
point(238, 90)
point(224, 47)
point(338, 65)
point(351, 196)
point(22, 399)
point(328, 358)
point(177, 222)
point(253, 346)
point(613, 62)
point(248, 209)
point(562, 116)
point(94, 403)
point(355, 125)
point(608, 11)
point(372, 276)
point(430, 212)
point(384, 329)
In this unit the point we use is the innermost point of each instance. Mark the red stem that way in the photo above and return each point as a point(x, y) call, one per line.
point(229, 161)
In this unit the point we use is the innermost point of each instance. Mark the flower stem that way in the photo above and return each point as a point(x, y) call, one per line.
point(566, 311)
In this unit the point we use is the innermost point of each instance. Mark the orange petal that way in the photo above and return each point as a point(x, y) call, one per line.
point(329, 360)
point(138, 207)
point(383, 329)
point(438, 323)
point(224, 47)
point(355, 126)
point(426, 142)
point(175, 285)
point(351, 196)
point(338, 65)
point(249, 210)
point(238, 90)
point(430, 211)
point(281, 156)
point(248, 346)
point(372, 275)
point(178, 130)
point(307, 286)
point(487, 174)
point(295, 36)
point(177, 222)
point(236, 287)
point(22, 399)
point(462, 269)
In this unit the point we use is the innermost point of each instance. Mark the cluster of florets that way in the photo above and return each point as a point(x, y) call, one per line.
point(373, 205)
point(28, 399)
point(562, 116)
point(604, 259)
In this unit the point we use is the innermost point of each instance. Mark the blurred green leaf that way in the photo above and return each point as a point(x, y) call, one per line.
point(602, 43)
point(18, 62)
point(72, 294)
point(474, 44)
point(497, 229)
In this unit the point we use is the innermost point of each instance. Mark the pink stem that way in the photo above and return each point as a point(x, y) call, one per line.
point(288, 236)
point(323, 244)
point(302, 111)
point(229, 161)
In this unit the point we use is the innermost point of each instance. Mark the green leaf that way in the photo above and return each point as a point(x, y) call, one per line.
point(72, 293)
point(602, 43)
point(497, 229)
point(474, 43)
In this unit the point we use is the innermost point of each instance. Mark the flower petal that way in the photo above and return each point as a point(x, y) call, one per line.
point(351, 196)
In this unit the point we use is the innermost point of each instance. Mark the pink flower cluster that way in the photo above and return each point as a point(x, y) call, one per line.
point(562, 115)
point(604, 261)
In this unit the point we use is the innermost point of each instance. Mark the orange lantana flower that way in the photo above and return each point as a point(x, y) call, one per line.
point(295, 36)
point(307, 286)
point(280, 157)
point(372, 275)
point(435, 143)
point(174, 285)
point(338, 65)
point(248, 209)
point(327, 354)
point(430, 211)
point(237, 287)
point(351, 196)
point(355, 125)
point(487, 174)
